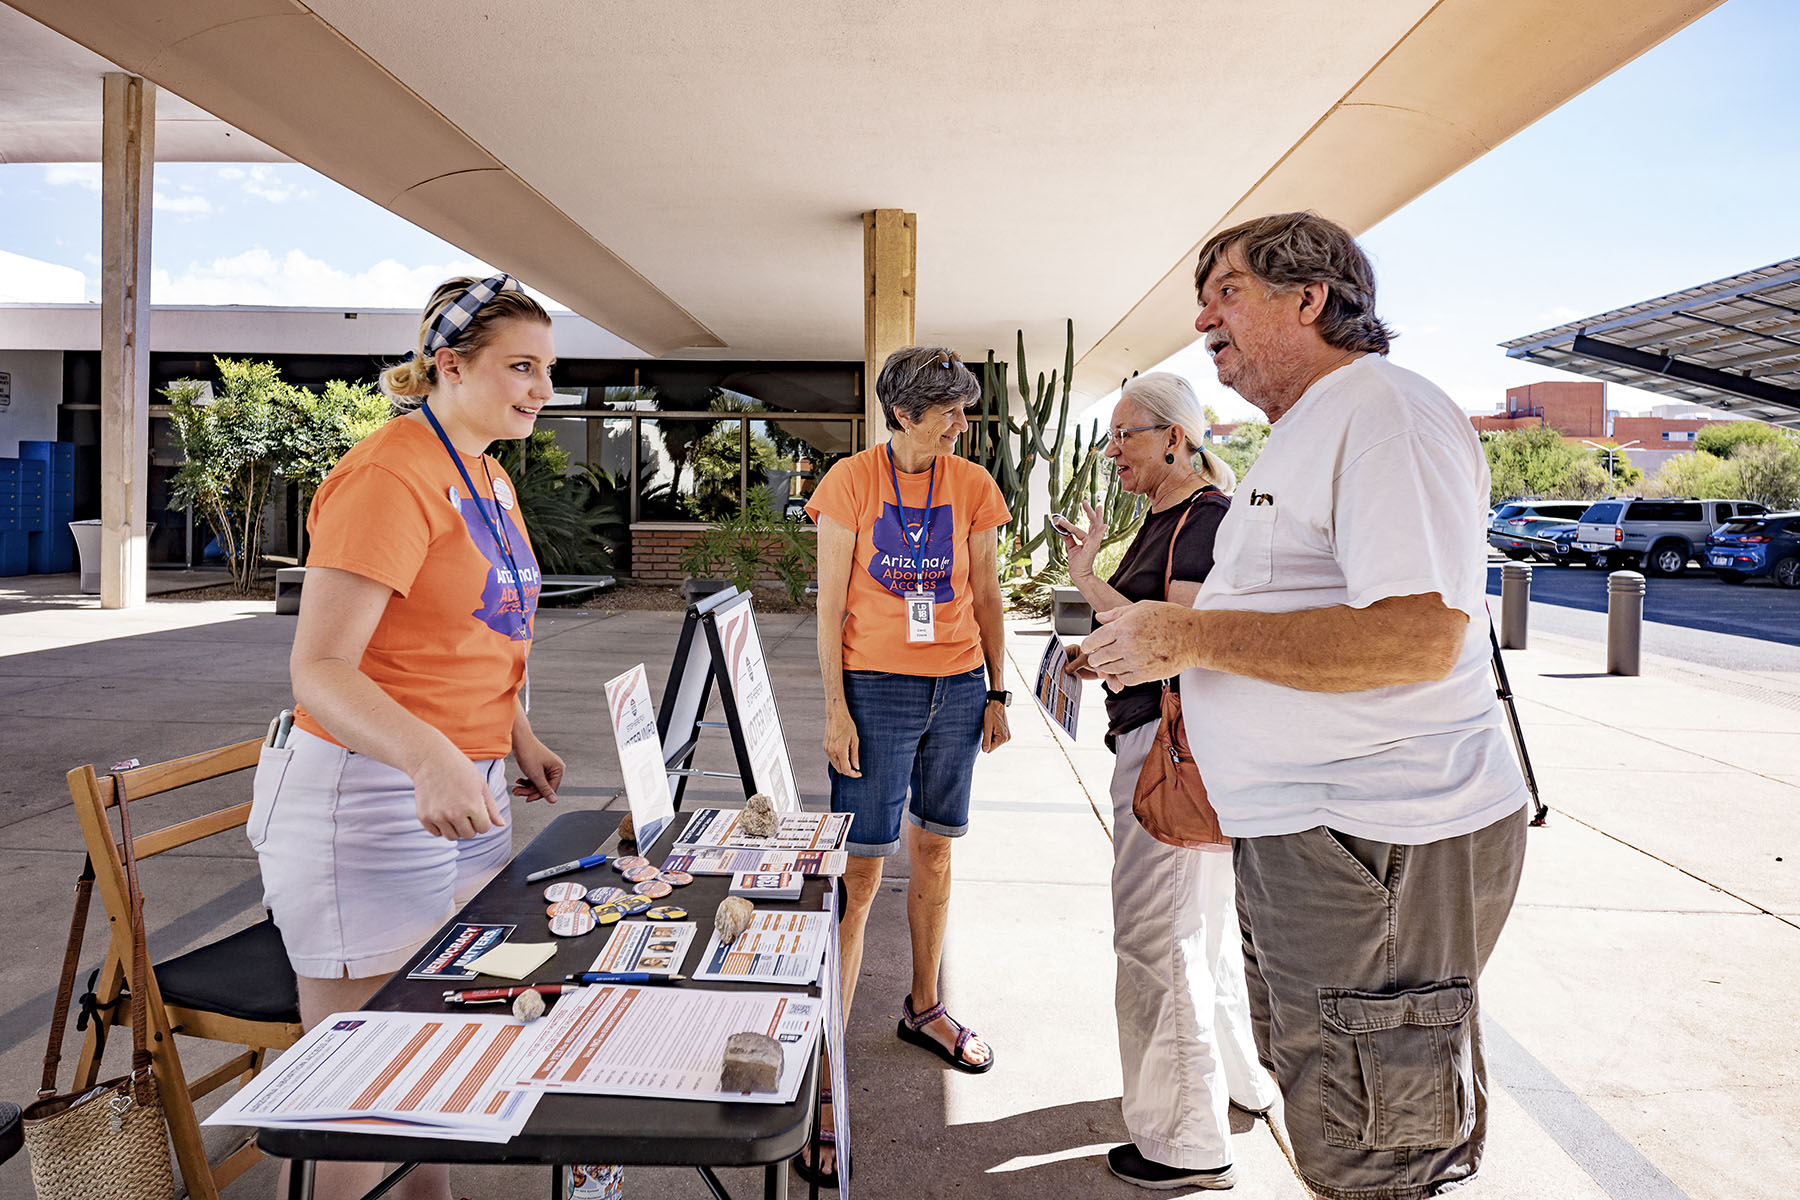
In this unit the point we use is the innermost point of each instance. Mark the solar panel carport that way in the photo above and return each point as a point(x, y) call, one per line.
point(1733, 344)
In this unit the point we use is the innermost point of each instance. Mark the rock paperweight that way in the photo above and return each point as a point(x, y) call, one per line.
point(760, 818)
point(528, 1006)
point(752, 1063)
point(732, 918)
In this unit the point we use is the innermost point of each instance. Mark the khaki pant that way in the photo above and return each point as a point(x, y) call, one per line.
point(1362, 959)
point(1184, 1020)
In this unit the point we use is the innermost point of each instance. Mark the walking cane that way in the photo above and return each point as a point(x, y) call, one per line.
point(1540, 815)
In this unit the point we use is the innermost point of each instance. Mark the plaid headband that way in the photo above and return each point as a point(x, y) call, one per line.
point(459, 312)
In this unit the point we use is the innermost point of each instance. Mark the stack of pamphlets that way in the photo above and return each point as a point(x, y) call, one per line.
point(767, 885)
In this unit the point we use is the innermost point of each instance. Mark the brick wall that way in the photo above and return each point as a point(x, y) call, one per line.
point(656, 552)
point(1571, 408)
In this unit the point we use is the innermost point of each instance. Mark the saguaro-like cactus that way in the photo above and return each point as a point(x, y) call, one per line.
point(1011, 448)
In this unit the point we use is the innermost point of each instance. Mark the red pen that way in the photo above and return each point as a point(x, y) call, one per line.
point(501, 995)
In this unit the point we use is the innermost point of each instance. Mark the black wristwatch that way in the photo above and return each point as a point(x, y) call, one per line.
point(1004, 698)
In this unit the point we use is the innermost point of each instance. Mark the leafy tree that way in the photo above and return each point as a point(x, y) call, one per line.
point(1723, 439)
point(325, 425)
point(1701, 475)
point(234, 445)
point(1244, 446)
point(1625, 475)
point(1536, 462)
point(1768, 470)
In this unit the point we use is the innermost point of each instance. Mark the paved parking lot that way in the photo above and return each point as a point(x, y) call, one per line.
point(1696, 599)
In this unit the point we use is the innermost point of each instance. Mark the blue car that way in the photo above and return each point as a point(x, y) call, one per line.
point(1767, 544)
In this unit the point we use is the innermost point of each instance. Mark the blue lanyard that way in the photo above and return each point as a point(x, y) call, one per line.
point(917, 543)
point(490, 520)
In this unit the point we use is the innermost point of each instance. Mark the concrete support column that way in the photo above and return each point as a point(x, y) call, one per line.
point(890, 266)
point(128, 161)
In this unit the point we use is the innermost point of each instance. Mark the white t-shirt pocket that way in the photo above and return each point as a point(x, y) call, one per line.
point(1249, 560)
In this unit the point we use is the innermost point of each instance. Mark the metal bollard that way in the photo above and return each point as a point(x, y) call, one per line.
point(1515, 605)
point(1624, 622)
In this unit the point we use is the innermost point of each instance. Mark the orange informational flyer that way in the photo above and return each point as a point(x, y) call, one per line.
point(440, 1075)
point(1058, 693)
point(628, 1040)
point(779, 947)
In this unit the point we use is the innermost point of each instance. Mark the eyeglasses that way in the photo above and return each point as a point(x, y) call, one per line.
point(1119, 435)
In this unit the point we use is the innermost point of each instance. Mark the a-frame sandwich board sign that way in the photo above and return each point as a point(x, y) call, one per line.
point(719, 643)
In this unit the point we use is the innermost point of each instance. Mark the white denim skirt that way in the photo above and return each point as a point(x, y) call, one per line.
point(355, 883)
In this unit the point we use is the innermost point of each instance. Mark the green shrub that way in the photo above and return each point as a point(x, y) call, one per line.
point(757, 539)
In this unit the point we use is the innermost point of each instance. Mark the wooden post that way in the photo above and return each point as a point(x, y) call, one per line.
point(890, 266)
point(128, 162)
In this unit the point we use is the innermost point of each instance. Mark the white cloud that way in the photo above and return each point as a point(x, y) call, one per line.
point(85, 175)
point(266, 184)
point(1562, 314)
point(296, 279)
point(33, 281)
point(182, 204)
point(231, 172)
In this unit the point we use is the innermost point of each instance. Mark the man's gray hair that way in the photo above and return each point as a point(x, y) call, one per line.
point(1170, 399)
point(1290, 250)
point(915, 379)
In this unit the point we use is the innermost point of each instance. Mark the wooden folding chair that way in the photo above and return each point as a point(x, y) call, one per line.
point(239, 989)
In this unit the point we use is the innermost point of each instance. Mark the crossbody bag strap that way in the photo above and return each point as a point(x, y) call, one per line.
point(1203, 496)
point(140, 955)
point(65, 989)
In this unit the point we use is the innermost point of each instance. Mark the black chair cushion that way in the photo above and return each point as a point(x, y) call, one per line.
point(12, 1134)
point(246, 975)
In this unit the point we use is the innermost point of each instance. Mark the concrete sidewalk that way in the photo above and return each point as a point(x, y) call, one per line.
point(1637, 1033)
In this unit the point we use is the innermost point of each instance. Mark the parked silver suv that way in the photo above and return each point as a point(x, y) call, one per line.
point(1661, 535)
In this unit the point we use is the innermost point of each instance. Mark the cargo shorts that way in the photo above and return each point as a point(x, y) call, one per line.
point(1362, 960)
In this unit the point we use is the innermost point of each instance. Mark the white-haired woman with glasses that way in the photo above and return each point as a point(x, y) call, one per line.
point(1183, 1010)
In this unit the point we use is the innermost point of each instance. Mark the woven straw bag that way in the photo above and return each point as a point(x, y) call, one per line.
point(108, 1142)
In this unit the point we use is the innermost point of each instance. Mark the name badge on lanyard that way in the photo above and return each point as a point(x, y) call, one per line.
point(921, 616)
point(920, 601)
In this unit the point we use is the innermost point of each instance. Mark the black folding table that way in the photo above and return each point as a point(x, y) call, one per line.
point(576, 1128)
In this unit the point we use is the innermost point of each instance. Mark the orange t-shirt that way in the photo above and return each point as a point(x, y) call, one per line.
point(451, 646)
point(858, 493)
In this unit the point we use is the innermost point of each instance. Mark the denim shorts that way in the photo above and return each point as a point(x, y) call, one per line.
point(917, 737)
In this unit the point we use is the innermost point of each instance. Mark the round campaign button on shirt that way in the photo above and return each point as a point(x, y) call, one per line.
point(666, 912)
point(605, 895)
point(635, 904)
point(564, 907)
point(565, 891)
point(656, 889)
point(573, 924)
point(675, 878)
point(630, 862)
point(639, 874)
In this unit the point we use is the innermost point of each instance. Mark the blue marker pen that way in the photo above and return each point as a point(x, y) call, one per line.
point(580, 864)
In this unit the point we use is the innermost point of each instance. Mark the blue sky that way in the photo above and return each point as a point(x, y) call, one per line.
point(1682, 167)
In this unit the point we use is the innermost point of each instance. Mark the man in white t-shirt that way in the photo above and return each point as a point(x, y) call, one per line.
point(1335, 684)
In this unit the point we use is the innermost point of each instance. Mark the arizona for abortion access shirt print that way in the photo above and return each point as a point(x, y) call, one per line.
point(858, 493)
point(503, 598)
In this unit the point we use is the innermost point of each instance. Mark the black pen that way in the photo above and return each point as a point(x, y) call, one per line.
point(621, 977)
